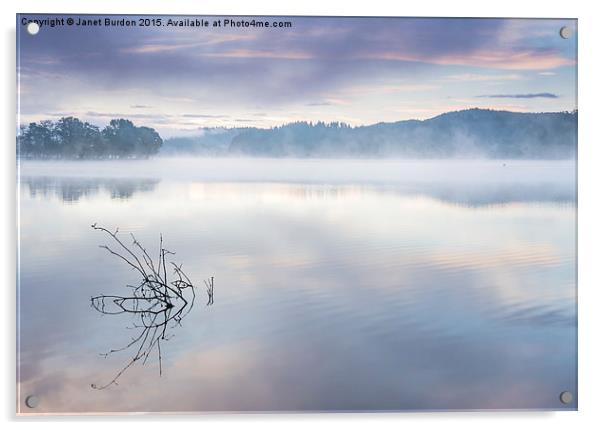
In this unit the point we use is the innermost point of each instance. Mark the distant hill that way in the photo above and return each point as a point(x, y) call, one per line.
point(466, 133)
point(211, 142)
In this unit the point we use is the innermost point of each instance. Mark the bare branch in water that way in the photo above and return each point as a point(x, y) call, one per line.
point(209, 285)
point(158, 303)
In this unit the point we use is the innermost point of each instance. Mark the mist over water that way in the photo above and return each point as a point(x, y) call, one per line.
point(313, 170)
point(339, 284)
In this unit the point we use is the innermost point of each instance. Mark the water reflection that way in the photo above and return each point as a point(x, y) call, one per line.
point(468, 195)
point(541, 315)
point(332, 296)
point(158, 302)
point(73, 189)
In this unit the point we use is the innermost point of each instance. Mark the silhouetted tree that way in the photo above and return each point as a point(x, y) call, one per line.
point(71, 138)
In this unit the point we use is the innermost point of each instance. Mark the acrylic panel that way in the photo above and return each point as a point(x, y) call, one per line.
point(286, 213)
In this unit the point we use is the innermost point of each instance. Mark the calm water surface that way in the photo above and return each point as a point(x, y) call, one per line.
point(339, 285)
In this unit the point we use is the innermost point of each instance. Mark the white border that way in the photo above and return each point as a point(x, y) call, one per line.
point(590, 216)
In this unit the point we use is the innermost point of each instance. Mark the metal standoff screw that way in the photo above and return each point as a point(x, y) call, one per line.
point(33, 28)
point(566, 397)
point(565, 32)
point(32, 401)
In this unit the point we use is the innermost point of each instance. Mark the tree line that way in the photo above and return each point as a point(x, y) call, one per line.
point(472, 133)
point(72, 138)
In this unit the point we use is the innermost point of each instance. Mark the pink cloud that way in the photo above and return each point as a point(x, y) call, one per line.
point(252, 53)
point(473, 77)
point(497, 59)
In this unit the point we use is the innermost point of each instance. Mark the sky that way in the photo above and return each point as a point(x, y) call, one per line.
point(179, 80)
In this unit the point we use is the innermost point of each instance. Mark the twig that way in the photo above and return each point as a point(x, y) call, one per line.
point(157, 303)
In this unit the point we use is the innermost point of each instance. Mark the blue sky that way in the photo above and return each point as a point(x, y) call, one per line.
point(355, 70)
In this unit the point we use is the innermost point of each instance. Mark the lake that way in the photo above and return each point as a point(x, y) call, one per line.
point(339, 284)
